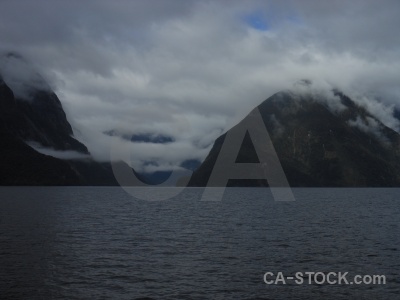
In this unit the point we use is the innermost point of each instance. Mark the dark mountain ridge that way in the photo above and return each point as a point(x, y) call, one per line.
point(320, 140)
point(319, 145)
point(41, 119)
point(38, 118)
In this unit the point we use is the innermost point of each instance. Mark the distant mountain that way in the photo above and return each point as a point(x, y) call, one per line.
point(142, 137)
point(321, 141)
point(157, 177)
point(32, 118)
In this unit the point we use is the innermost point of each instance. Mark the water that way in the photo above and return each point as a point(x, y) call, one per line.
point(100, 243)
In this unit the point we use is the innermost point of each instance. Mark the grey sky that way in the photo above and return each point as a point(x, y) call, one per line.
point(191, 69)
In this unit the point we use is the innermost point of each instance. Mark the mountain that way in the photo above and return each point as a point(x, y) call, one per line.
point(321, 140)
point(142, 138)
point(157, 177)
point(19, 163)
point(32, 119)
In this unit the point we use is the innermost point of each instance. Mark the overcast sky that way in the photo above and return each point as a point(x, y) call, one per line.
point(191, 69)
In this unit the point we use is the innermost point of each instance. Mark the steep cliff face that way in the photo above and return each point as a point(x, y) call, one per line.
point(19, 163)
point(22, 165)
point(33, 112)
point(320, 142)
point(36, 116)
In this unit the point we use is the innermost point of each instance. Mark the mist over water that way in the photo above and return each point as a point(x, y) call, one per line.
point(100, 243)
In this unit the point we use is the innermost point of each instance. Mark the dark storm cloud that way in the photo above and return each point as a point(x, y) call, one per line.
point(191, 69)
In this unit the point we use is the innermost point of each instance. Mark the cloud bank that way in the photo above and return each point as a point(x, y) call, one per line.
point(192, 69)
point(67, 155)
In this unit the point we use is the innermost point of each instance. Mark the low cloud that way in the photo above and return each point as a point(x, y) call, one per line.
point(384, 112)
point(192, 69)
point(319, 90)
point(370, 125)
point(21, 76)
point(66, 155)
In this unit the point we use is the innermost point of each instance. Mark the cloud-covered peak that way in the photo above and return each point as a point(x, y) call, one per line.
point(21, 76)
point(192, 69)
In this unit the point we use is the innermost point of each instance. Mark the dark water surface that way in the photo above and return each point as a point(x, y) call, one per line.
point(100, 243)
